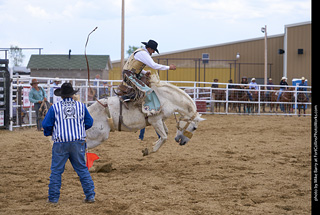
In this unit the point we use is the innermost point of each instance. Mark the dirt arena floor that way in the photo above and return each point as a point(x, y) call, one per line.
point(233, 165)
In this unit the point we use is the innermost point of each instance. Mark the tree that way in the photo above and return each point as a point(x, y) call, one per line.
point(132, 49)
point(16, 55)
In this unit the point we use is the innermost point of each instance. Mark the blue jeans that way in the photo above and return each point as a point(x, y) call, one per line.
point(75, 152)
point(142, 131)
point(280, 92)
point(38, 119)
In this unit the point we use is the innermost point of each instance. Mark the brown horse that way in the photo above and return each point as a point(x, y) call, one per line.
point(302, 97)
point(241, 96)
point(232, 97)
point(287, 96)
point(221, 96)
point(254, 106)
point(273, 98)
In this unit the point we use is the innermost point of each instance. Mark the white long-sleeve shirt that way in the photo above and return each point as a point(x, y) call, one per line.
point(145, 57)
point(253, 85)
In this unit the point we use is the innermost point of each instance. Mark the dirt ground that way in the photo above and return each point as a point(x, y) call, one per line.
point(233, 165)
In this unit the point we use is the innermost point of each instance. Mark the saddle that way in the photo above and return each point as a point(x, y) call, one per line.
point(123, 90)
point(134, 95)
point(128, 91)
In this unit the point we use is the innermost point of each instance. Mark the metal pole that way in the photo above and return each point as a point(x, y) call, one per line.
point(199, 72)
point(259, 99)
point(167, 70)
point(11, 101)
point(122, 35)
point(227, 97)
point(296, 100)
point(204, 74)
point(239, 73)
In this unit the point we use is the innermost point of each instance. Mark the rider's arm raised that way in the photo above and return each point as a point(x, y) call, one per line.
point(145, 58)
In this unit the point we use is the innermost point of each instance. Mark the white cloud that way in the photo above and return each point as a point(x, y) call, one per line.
point(60, 25)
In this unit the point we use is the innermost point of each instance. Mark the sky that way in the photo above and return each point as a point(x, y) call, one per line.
point(60, 25)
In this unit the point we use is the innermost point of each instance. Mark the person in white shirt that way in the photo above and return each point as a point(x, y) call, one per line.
point(253, 84)
point(133, 70)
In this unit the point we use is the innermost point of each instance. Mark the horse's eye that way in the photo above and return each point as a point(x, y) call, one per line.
point(194, 128)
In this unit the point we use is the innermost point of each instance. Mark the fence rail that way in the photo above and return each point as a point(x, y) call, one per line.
point(219, 100)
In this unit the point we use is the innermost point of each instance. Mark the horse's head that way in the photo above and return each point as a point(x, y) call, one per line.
point(186, 127)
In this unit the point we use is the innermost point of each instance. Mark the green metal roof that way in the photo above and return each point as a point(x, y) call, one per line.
point(96, 62)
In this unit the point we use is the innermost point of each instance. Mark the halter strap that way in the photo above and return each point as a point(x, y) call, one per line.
point(183, 130)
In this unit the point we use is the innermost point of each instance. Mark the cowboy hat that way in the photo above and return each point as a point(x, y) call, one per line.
point(152, 44)
point(283, 78)
point(34, 81)
point(65, 90)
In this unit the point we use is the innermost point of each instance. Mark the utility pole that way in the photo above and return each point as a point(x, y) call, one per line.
point(264, 30)
point(122, 35)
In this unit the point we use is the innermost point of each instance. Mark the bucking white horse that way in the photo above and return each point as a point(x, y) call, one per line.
point(106, 114)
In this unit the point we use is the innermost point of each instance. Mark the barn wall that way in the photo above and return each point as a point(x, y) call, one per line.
point(298, 65)
point(225, 65)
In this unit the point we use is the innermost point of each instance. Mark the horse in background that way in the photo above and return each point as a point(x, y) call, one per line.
point(287, 96)
point(219, 95)
point(302, 97)
point(241, 96)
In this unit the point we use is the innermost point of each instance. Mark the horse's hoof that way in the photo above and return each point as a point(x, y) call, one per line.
point(145, 152)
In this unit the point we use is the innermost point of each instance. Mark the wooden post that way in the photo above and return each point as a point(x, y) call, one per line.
point(265, 56)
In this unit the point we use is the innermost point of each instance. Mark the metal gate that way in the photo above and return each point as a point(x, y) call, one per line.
point(4, 93)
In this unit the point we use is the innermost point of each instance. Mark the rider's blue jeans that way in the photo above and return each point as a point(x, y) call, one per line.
point(75, 152)
point(142, 131)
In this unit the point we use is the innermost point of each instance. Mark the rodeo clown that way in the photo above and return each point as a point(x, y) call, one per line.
point(133, 72)
point(66, 121)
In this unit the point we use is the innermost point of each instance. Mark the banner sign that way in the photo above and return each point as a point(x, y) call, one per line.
point(25, 94)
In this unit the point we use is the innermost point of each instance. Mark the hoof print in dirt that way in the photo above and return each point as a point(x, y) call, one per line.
point(145, 152)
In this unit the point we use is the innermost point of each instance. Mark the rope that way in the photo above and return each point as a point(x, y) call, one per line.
point(85, 54)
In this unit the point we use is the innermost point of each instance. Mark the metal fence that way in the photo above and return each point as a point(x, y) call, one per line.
point(225, 99)
point(264, 100)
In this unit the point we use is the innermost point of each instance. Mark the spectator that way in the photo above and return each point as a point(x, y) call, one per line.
point(253, 84)
point(36, 96)
point(270, 83)
point(215, 83)
point(104, 92)
point(284, 83)
point(54, 85)
point(244, 80)
point(301, 88)
point(96, 80)
point(269, 87)
point(230, 86)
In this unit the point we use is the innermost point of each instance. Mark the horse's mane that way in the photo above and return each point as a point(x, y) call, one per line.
point(155, 81)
